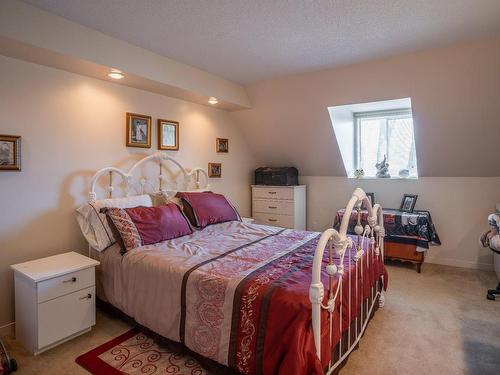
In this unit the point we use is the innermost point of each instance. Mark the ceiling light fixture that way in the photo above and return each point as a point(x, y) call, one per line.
point(116, 74)
point(213, 100)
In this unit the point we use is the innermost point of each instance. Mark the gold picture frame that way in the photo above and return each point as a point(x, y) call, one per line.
point(10, 153)
point(138, 130)
point(222, 145)
point(215, 170)
point(168, 135)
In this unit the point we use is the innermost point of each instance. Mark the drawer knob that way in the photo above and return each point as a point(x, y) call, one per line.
point(271, 192)
point(72, 280)
point(88, 296)
point(273, 207)
point(273, 220)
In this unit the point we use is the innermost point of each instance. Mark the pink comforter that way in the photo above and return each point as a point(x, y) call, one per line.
point(236, 293)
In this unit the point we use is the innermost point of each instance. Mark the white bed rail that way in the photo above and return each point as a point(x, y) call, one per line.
point(340, 242)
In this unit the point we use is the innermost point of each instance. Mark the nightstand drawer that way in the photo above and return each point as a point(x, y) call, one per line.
point(284, 221)
point(273, 207)
point(64, 316)
point(69, 283)
point(270, 192)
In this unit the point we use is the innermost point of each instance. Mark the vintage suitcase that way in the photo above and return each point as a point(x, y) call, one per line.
point(285, 176)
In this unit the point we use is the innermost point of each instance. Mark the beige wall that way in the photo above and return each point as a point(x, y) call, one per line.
point(70, 127)
point(459, 208)
point(455, 94)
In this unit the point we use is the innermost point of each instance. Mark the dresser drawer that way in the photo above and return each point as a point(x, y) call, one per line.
point(64, 316)
point(271, 192)
point(282, 207)
point(59, 286)
point(284, 221)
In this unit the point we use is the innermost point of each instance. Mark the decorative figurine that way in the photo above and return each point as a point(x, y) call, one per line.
point(383, 169)
point(359, 173)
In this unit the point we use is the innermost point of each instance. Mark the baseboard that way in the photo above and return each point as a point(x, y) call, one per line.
point(459, 263)
point(8, 330)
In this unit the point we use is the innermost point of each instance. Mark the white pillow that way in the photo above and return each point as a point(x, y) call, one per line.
point(94, 225)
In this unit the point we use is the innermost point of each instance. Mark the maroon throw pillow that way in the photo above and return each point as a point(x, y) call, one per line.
point(141, 226)
point(207, 208)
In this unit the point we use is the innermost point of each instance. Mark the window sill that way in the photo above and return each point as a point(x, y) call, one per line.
point(381, 178)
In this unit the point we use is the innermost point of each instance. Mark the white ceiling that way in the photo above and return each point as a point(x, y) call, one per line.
point(251, 40)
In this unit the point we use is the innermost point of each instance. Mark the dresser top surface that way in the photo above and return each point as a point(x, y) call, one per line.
point(279, 186)
point(54, 266)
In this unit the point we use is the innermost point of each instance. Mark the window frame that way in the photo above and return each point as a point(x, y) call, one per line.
point(381, 114)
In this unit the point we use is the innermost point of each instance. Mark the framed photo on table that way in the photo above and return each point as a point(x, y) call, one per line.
point(168, 135)
point(10, 153)
point(138, 130)
point(408, 203)
point(371, 197)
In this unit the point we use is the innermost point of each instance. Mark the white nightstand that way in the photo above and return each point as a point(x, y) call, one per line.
point(55, 300)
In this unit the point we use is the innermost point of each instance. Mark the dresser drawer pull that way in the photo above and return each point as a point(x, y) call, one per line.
point(272, 220)
point(273, 207)
point(88, 296)
point(72, 280)
point(271, 192)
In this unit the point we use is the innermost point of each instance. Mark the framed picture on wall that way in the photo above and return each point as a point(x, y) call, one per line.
point(168, 135)
point(215, 170)
point(408, 203)
point(222, 145)
point(10, 153)
point(138, 130)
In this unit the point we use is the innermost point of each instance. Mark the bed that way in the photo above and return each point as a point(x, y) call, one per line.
point(255, 299)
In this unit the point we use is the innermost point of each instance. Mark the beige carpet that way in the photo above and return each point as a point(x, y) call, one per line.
point(438, 322)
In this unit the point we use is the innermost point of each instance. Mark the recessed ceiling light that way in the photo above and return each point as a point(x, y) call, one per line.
point(116, 74)
point(212, 100)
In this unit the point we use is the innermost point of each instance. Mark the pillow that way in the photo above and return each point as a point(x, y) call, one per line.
point(162, 198)
point(94, 225)
point(207, 208)
point(141, 226)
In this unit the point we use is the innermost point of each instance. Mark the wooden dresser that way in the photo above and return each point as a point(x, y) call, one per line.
point(282, 206)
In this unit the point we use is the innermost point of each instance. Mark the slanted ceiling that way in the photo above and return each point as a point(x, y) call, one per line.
point(455, 95)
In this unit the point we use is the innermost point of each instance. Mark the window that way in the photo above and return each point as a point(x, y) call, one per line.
point(387, 134)
point(368, 132)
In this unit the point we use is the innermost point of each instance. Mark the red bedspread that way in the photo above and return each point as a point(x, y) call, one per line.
point(271, 329)
point(244, 295)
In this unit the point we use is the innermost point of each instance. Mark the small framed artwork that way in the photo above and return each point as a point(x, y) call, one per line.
point(408, 203)
point(371, 197)
point(10, 153)
point(222, 145)
point(215, 170)
point(138, 130)
point(168, 135)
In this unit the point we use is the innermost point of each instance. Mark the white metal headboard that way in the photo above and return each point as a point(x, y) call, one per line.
point(166, 180)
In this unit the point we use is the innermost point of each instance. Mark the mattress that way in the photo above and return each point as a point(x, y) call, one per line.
point(236, 293)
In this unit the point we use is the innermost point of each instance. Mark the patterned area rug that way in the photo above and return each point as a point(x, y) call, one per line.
point(135, 353)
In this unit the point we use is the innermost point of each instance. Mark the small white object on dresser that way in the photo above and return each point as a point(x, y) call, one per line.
point(55, 300)
point(282, 206)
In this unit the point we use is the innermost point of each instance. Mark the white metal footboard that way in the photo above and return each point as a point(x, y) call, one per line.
point(340, 243)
